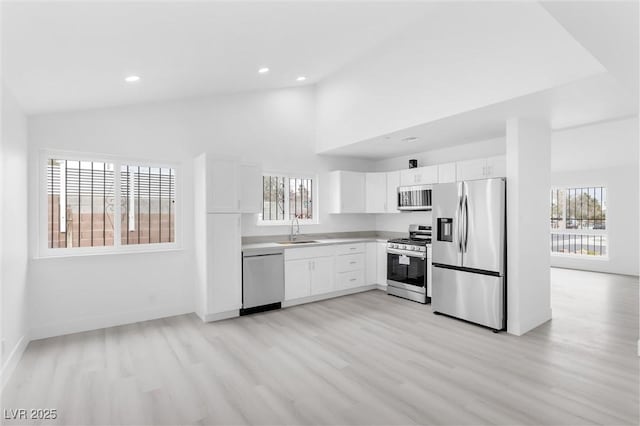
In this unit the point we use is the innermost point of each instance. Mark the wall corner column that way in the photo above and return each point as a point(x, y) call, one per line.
point(528, 147)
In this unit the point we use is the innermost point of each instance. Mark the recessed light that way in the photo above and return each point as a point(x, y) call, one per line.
point(263, 70)
point(132, 79)
point(409, 139)
point(301, 78)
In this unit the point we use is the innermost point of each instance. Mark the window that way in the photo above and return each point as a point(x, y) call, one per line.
point(147, 199)
point(80, 198)
point(579, 221)
point(287, 197)
point(85, 198)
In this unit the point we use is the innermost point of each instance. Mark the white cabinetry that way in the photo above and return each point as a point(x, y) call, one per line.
point(222, 186)
point(381, 263)
point(232, 186)
point(393, 182)
point(482, 168)
point(297, 279)
point(376, 192)
point(322, 275)
point(497, 166)
point(419, 176)
point(218, 264)
point(348, 192)
point(308, 272)
point(371, 264)
point(446, 172)
point(250, 188)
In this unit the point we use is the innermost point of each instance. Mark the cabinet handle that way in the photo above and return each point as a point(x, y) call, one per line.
point(352, 279)
point(353, 262)
point(353, 248)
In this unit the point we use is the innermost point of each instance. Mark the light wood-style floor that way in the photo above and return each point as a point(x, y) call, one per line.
point(362, 359)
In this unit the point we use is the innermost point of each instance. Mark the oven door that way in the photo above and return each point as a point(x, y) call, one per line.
point(407, 270)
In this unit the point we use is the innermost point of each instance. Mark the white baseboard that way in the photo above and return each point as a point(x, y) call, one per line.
point(12, 361)
point(518, 329)
point(331, 295)
point(104, 321)
point(382, 287)
point(219, 316)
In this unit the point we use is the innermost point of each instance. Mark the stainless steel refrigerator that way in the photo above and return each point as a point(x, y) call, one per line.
point(469, 258)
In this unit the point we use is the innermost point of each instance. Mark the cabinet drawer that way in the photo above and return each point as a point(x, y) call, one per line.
point(352, 279)
point(350, 262)
point(350, 248)
point(308, 252)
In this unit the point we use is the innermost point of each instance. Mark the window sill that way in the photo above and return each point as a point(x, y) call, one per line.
point(109, 252)
point(580, 257)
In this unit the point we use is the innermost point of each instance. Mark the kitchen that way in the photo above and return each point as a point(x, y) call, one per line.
point(227, 151)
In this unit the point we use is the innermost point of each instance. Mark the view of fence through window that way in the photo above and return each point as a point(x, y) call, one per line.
point(276, 205)
point(80, 198)
point(147, 198)
point(81, 204)
point(578, 221)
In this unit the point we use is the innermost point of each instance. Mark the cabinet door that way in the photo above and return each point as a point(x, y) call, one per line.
point(446, 172)
point(297, 279)
point(371, 264)
point(376, 184)
point(419, 176)
point(381, 264)
point(353, 192)
point(471, 169)
point(250, 188)
point(393, 182)
point(409, 176)
point(322, 275)
point(224, 263)
point(428, 175)
point(496, 166)
point(222, 186)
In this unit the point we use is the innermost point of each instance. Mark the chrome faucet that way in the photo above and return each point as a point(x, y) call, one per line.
point(292, 235)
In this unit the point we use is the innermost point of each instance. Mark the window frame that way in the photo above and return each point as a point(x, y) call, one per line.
point(44, 251)
point(588, 232)
point(314, 207)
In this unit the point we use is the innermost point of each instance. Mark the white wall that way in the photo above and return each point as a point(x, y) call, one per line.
point(275, 128)
point(14, 234)
point(433, 70)
point(603, 154)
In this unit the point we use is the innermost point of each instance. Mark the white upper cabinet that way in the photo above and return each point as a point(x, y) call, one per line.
point(419, 176)
point(393, 182)
point(497, 166)
point(231, 186)
point(446, 172)
point(250, 188)
point(482, 168)
point(222, 186)
point(348, 192)
point(376, 197)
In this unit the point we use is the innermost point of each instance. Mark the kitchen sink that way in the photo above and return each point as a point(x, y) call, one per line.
point(297, 242)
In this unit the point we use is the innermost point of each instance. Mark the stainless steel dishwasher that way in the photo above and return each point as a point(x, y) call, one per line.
point(262, 280)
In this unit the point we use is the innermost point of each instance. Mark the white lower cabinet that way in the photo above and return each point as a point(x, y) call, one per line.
point(381, 263)
point(314, 271)
point(349, 280)
point(371, 264)
point(297, 279)
point(322, 275)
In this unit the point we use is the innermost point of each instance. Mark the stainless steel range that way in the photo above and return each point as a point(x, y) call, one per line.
point(409, 265)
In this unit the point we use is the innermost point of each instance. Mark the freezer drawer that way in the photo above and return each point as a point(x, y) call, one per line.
point(469, 296)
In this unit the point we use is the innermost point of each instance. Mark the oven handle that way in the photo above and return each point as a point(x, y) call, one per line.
point(420, 255)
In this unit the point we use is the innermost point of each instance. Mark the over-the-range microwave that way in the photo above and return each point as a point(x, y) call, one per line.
point(414, 197)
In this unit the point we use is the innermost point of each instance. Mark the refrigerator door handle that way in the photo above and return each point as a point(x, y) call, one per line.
point(459, 223)
point(466, 222)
